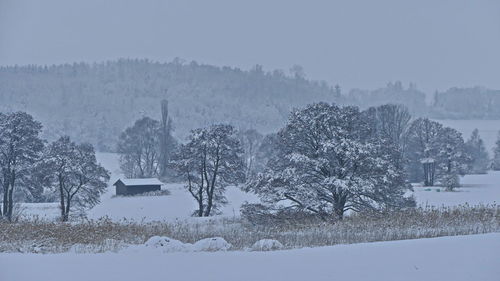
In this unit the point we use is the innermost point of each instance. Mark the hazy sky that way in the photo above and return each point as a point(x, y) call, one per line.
point(437, 44)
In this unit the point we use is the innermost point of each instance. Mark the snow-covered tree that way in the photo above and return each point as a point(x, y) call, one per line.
point(435, 152)
point(210, 161)
point(389, 125)
point(477, 151)
point(327, 165)
point(423, 149)
point(74, 174)
point(139, 148)
point(452, 158)
point(496, 155)
point(20, 148)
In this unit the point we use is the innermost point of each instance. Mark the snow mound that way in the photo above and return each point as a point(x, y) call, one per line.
point(212, 245)
point(108, 245)
point(167, 245)
point(164, 244)
point(267, 245)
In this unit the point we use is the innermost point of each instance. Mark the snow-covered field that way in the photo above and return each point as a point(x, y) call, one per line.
point(179, 205)
point(459, 258)
point(475, 189)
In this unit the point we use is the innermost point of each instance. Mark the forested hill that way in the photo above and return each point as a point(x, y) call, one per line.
point(95, 102)
point(467, 103)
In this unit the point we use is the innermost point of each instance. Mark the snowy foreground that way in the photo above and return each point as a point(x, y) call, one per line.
point(473, 257)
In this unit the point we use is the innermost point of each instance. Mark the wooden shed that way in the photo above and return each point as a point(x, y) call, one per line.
point(137, 186)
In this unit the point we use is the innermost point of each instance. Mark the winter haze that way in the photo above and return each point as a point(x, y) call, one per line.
point(357, 44)
point(250, 140)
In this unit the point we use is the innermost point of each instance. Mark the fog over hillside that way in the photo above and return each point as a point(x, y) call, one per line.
point(95, 102)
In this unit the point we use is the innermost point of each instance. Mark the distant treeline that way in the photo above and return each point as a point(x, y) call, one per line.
point(95, 102)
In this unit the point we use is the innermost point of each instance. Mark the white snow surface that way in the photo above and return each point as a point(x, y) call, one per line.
point(267, 245)
point(160, 244)
point(213, 244)
point(475, 189)
point(459, 258)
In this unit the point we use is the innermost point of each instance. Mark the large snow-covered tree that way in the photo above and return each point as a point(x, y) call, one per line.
point(327, 163)
point(74, 174)
point(210, 161)
point(139, 148)
point(20, 148)
point(478, 153)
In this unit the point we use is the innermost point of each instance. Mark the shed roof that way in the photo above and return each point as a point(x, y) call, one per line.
point(146, 181)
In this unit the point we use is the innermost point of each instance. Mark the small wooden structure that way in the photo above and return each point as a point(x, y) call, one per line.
point(137, 186)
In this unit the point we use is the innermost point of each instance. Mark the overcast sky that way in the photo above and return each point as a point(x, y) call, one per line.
point(436, 44)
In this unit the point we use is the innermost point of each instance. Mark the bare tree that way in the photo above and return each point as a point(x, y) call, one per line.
point(392, 122)
point(250, 141)
point(139, 149)
point(209, 162)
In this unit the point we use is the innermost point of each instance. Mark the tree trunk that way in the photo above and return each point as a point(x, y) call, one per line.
point(211, 186)
point(10, 200)
point(5, 196)
point(208, 209)
point(200, 200)
point(66, 213)
point(429, 171)
point(339, 207)
point(61, 198)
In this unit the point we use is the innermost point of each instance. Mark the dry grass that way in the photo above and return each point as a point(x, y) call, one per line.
point(44, 236)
